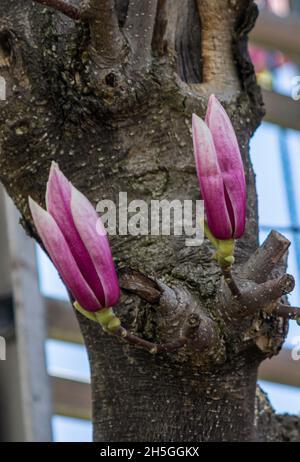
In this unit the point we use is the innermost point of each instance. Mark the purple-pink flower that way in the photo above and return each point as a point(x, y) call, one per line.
point(70, 230)
point(220, 172)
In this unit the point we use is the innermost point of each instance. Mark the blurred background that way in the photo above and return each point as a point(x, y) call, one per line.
point(36, 408)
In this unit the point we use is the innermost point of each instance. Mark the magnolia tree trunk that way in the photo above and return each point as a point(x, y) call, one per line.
point(107, 89)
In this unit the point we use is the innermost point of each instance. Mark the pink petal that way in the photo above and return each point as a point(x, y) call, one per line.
point(230, 161)
point(62, 258)
point(58, 201)
point(91, 230)
point(210, 180)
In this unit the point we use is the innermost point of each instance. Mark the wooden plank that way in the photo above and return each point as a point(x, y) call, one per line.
point(278, 33)
point(30, 330)
point(71, 398)
point(11, 425)
point(60, 317)
point(5, 279)
point(62, 322)
point(7, 324)
point(12, 428)
point(282, 110)
point(281, 369)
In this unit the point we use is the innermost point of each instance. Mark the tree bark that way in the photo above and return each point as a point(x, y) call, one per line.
point(110, 97)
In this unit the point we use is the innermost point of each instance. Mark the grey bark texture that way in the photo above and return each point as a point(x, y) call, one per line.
point(110, 97)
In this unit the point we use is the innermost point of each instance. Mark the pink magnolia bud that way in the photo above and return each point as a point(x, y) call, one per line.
point(220, 172)
point(69, 229)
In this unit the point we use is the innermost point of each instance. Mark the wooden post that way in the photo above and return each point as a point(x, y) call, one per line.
point(24, 378)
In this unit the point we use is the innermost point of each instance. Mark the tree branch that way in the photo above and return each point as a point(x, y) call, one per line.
point(217, 30)
point(161, 21)
point(60, 5)
point(266, 258)
point(265, 294)
point(139, 30)
point(287, 311)
point(106, 38)
point(176, 34)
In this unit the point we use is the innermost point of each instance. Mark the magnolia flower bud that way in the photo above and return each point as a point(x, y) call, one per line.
point(220, 172)
point(69, 230)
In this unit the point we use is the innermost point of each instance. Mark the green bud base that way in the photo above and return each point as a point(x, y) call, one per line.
point(224, 248)
point(105, 317)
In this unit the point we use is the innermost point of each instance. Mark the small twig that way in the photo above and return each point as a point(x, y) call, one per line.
point(111, 324)
point(286, 311)
point(153, 348)
point(191, 333)
point(234, 289)
point(65, 8)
